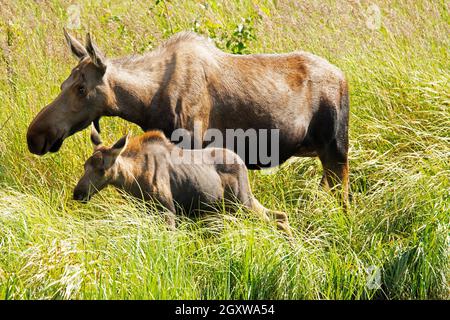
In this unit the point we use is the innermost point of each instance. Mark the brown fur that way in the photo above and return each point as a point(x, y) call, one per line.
point(135, 144)
point(147, 168)
point(187, 79)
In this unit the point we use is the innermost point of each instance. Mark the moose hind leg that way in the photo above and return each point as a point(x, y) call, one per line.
point(282, 221)
point(335, 170)
point(331, 138)
point(279, 217)
point(246, 197)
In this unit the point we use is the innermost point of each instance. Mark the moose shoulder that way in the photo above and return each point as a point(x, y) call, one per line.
point(189, 83)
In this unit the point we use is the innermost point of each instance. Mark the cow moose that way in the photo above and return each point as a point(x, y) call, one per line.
point(188, 81)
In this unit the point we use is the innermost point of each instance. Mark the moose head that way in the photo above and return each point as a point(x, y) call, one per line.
point(85, 96)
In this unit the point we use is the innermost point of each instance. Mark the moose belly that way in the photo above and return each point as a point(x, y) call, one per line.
point(262, 134)
point(261, 147)
point(195, 187)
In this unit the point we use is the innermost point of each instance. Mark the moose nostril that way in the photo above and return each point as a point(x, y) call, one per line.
point(36, 143)
point(78, 196)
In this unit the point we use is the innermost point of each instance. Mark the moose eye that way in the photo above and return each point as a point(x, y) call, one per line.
point(82, 90)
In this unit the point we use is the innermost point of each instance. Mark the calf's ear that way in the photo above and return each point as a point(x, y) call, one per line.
point(115, 151)
point(120, 145)
point(95, 137)
point(77, 49)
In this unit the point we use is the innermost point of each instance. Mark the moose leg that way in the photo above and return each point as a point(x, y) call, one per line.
point(335, 170)
point(334, 154)
point(166, 206)
point(280, 217)
point(241, 189)
point(328, 133)
point(169, 217)
point(266, 214)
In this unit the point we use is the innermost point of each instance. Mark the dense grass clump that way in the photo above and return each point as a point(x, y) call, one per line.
point(391, 244)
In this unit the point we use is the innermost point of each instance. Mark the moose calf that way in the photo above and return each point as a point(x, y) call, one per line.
point(150, 167)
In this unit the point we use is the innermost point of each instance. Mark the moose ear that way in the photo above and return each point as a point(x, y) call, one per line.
point(120, 145)
point(97, 57)
point(115, 151)
point(95, 137)
point(76, 47)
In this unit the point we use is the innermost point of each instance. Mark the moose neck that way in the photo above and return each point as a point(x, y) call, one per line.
point(124, 175)
point(133, 91)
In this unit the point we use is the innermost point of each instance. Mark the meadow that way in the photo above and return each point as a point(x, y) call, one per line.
point(393, 243)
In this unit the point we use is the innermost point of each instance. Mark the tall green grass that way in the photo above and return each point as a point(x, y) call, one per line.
point(398, 224)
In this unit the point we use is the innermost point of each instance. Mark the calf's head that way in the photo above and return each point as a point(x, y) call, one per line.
point(100, 169)
point(85, 96)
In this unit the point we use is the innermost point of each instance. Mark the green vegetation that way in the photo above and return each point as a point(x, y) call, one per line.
point(398, 224)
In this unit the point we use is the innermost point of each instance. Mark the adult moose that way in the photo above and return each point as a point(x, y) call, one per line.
point(187, 80)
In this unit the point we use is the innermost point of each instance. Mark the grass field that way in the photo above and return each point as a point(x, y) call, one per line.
point(392, 244)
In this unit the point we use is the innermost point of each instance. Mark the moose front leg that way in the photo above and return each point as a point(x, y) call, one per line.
point(166, 207)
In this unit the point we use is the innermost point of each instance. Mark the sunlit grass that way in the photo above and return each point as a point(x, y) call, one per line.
point(54, 248)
